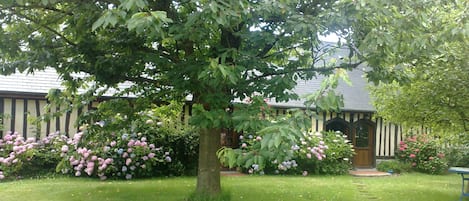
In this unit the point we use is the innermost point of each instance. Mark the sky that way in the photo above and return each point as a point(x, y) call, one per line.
point(329, 38)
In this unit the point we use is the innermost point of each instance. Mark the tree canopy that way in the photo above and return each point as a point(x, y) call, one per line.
point(419, 52)
point(220, 51)
point(214, 51)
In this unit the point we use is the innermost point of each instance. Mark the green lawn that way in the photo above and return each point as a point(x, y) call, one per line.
point(410, 187)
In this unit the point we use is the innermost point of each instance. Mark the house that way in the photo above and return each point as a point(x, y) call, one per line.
point(22, 98)
point(372, 137)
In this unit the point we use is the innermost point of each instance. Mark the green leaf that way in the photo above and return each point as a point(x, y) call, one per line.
point(278, 139)
point(98, 23)
point(342, 73)
point(110, 17)
point(133, 4)
point(249, 162)
point(161, 16)
point(265, 141)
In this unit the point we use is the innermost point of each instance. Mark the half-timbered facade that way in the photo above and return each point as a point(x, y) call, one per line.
point(22, 99)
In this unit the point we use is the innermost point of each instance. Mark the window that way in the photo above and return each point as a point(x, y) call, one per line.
point(338, 124)
point(361, 135)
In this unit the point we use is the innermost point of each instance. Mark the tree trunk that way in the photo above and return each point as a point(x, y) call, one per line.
point(208, 177)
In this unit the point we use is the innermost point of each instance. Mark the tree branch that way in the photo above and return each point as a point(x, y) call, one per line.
point(40, 7)
point(137, 79)
point(278, 52)
point(142, 79)
point(312, 69)
point(266, 49)
point(45, 27)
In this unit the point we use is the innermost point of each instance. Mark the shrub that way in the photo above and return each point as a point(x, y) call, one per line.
point(123, 156)
point(14, 151)
point(393, 166)
point(423, 153)
point(457, 156)
point(316, 153)
point(337, 158)
point(151, 143)
point(20, 157)
point(142, 144)
point(184, 147)
point(46, 156)
point(163, 126)
point(285, 164)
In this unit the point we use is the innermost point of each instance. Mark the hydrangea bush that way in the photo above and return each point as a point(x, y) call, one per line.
point(129, 143)
point(126, 157)
point(423, 154)
point(19, 157)
point(315, 153)
point(338, 155)
point(281, 144)
point(14, 150)
point(144, 144)
point(122, 156)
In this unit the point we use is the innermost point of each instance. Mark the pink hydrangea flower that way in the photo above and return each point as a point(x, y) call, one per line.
point(138, 143)
point(64, 148)
point(86, 154)
point(102, 167)
point(108, 161)
point(89, 171)
point(151, 155)
point(131, 143)
point(128, 161)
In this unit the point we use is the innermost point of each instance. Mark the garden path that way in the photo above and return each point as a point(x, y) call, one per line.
point(368, 173)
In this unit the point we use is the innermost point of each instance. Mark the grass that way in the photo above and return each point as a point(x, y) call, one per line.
point(408, 187)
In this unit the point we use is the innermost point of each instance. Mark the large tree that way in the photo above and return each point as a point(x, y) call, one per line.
point(213, 51)
point(419, 52)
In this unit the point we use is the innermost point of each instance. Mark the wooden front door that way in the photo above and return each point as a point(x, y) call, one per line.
point(363, 143)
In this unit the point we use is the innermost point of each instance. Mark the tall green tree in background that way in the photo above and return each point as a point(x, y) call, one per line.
point(418, 49)
point(214, 51)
